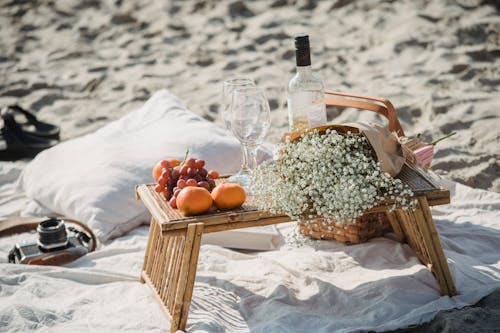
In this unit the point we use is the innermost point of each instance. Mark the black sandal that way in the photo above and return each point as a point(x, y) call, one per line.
point(15, 143)
point(32, 125)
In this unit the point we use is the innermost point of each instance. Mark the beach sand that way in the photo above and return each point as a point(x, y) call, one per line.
point(83, 63)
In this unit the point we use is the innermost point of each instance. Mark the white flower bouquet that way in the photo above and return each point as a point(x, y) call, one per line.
point(328, 178)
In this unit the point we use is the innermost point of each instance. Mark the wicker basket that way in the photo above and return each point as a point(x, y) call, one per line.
point(369, 225)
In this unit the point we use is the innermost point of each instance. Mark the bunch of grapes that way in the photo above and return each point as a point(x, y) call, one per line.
point(191, 173)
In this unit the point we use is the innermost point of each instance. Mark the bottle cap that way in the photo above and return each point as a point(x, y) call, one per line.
point(301, 41)
point(302, 51)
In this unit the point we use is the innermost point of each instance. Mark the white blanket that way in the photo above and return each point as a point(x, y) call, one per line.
point(379, 285)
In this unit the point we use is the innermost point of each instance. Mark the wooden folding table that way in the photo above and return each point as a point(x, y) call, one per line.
point(174, 240)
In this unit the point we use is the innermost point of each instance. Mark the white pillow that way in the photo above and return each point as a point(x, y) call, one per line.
point(91, 178)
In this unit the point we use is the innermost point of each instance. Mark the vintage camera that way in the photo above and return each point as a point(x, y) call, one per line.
point(57, 244)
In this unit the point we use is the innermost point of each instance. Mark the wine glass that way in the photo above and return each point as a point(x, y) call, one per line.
point(250, 122)
point(228, 87)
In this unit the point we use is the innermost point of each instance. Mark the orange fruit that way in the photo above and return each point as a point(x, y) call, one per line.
point(173, 162)
point(213, 174)
point(193, 200)
point(157, 171)
point(228, 196)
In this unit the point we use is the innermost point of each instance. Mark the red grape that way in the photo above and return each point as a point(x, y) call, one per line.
point(165, 164)
point(203, 172)
point(192, 172)
point(173, 202)
point(176, 192)
point(184, 170)
point(211, 182)
point(159, 188)
point(171, 183)
point(166, 173)
point(175, 173)
point(204, 184)
point(190, 162)
point(167, 194)
point(181, 183)
point(162, 181)
point(191, 182)
point(199, 164)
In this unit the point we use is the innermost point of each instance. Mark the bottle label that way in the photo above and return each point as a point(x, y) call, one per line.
point(306, 105)
point(317, 113)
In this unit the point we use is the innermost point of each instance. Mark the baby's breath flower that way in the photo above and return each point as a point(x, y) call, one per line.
point(331, 175)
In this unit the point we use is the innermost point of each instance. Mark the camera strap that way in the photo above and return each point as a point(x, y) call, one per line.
point(12, 256)
point(16, 225)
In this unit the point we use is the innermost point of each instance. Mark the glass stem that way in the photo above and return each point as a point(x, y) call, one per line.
point(252, 157)
point(244, 156)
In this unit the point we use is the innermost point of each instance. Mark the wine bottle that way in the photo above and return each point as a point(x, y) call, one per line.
point(306, 98)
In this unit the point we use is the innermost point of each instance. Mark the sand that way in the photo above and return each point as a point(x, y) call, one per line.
point(83, 63)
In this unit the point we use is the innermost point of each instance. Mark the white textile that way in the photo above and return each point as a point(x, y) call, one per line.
point(91, 178)
point(379, 285)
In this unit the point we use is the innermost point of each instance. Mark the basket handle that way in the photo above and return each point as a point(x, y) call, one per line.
point(376, 104)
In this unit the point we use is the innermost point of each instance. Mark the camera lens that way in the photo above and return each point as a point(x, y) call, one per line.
point(52, 234)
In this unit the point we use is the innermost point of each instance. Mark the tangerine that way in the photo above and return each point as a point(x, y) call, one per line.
point(193, 200)
point(228, 195)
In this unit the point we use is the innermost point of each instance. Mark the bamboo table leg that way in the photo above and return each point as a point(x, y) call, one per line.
point(148, 246)
point(395, 224)
point(421, 234)
point(187, 276)
point(170, 269)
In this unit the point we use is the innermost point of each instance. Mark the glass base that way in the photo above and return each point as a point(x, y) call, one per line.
point(243, 178)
